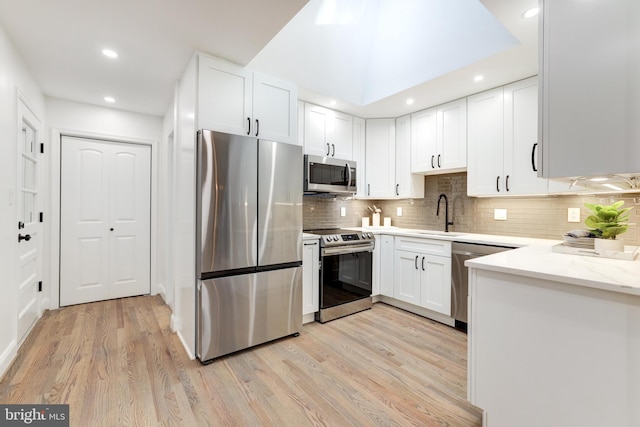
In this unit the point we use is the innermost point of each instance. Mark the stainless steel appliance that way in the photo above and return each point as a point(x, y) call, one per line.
point(460, 252)
point(345, 272)
point(248, 242)
point(329, 175)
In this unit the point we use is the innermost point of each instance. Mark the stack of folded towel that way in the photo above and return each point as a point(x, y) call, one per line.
point(579, 239)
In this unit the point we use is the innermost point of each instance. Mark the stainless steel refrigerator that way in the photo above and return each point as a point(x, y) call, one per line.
point(248, 242)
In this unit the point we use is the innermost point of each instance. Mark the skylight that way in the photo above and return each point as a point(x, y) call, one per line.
point(361, 51)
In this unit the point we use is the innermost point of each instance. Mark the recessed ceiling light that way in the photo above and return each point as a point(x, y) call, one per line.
point(110, 99)
point(599, 179)
point(332, 102)
point(478, 78)
point(110, 53)
point(409, 101)
point(531, 12)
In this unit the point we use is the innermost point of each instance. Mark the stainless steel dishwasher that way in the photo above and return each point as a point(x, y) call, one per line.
point(460, 252)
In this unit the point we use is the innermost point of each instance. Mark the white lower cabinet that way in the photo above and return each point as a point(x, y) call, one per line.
point(422, 273)
point(386, 248)
point(310, 279)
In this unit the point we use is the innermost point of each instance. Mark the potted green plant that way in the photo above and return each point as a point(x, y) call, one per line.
point(606, 222)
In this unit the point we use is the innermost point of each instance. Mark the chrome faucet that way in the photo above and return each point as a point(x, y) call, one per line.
point(446, 211)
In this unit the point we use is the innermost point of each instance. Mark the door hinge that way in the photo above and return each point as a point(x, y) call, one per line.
point(42, 148)
point(41, 216)
point(40, 286)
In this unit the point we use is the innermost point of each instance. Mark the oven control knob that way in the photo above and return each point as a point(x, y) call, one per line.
point(336, 238)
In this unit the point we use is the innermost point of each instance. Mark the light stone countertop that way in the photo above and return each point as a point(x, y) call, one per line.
point(535, 258)
point(309, 236)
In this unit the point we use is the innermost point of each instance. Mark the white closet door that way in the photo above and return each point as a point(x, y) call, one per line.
point(105, 220)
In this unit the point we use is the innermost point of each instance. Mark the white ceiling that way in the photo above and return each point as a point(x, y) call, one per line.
point(61, 42)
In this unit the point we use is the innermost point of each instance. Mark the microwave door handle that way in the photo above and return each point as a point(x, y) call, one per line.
point(348, 175)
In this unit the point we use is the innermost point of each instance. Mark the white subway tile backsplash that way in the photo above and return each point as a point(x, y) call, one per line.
point(542, 217)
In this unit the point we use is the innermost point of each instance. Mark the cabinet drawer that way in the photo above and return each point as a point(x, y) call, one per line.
point(424, 246)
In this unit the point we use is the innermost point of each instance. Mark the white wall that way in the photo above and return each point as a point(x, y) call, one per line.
point(14, 76)
point(166, 195)
point(74, 118)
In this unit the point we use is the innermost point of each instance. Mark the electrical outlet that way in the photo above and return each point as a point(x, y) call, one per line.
point(399, 211)
point(573, 215)
point(343, 211)
point(500, 214)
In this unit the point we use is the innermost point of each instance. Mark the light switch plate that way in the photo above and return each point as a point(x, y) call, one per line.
point(399, 211)
point(573, 215)
point(500, 214)
point(343, 211)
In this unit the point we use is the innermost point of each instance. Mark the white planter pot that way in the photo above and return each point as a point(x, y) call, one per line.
point(608, 245)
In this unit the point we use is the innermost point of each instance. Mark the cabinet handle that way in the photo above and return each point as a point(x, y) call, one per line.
point(439, 165)
point(422, 263)
point(333, 150)
point(248, 125)
point(498, 183)
point(506, 183)
point(328, 149)
point(533, 157)
point(257, 127)
point(416, 262)
point(20, 225)
point(432, 159)
point(311, 244)
point(397, 189)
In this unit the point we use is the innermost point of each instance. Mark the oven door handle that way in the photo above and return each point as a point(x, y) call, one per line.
point(347, 249)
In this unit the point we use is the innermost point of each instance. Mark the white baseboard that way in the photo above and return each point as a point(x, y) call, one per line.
point(186, 347)
point(421, 311)
point(175, 324)
point(7, 357)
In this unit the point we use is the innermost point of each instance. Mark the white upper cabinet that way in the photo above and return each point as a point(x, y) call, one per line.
point(359, 155)
point(408, 185)
point(328, 133)
point(236, 100)
point(502, 141)
point(521, 138)
point(439, 139)
point(388, 159)
point(423, 141)
point(380, 167)
point(590, 88)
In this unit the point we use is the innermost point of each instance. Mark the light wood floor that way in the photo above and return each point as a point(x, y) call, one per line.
point(116, 363)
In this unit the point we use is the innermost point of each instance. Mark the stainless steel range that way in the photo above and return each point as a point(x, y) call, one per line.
point(346, 272)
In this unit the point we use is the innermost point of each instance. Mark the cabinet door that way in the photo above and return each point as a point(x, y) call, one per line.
point(590, 66)
point(407, 277)
point(452, 136)
point(341, 136)
point(386, 249)
point(275, 109)
point(316, 127)
point(359, 156)
point(407, 184)
point(435, 283)
point(521, 138)
point(423, 141)
point(300, 140)
point(310, 277)
point(224, 96)
point(484, 171)
point(380, 158)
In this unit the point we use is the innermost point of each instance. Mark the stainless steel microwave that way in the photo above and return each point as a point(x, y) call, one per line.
point(329, 175)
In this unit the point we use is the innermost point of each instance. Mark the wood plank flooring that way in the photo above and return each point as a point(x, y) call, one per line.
point(116, 363)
